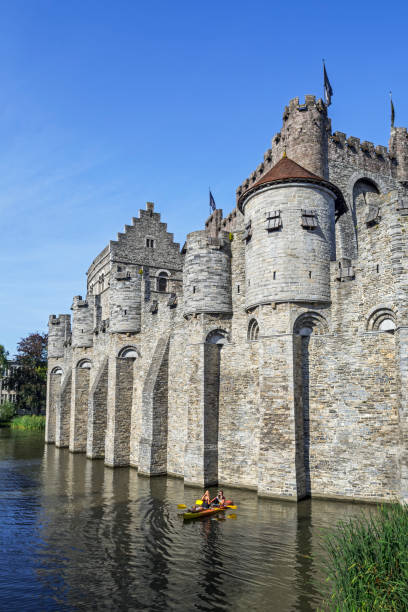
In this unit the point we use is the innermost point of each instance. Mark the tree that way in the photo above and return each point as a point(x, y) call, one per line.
point(3, 359)
point(29, 377)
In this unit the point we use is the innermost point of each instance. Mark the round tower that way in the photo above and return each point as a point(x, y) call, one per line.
point(82, 321)
point(207, 274)
point(290, 237)
point(125, 303)
point(59, 330)
point(304, 135)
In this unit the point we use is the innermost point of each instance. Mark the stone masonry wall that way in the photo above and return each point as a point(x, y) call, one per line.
point(97, 407)
point(307, 393)
point(79, 410)
point(64, 412)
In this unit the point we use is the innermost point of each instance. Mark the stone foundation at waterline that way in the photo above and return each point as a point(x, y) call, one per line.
point(271, 351)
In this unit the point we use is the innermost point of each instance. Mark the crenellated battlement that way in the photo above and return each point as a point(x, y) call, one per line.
point(306, 137)
point(59, 331)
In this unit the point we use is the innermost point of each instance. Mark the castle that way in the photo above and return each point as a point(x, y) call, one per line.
point(271, 351)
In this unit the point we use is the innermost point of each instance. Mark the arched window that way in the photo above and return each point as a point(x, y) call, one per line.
point(84, 364)
point(310, 323)
point(56, 370)
point(363, 186)
point(217, 336)
point(381, 319)
point(128, 352)
point(162, 281)
point(253, 330)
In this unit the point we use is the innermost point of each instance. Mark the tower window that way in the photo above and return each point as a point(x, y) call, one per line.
point(162, 281)
point(378, 268)
point(238, 288)
point(273, 220)
point(274, 276)
point(253, 330)
point(310, 274)
point(194, 289)
point(309, 219)
point(150, 243)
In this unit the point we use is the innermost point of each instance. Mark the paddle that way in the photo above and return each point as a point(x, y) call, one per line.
point(181, 506)
point(199, 503)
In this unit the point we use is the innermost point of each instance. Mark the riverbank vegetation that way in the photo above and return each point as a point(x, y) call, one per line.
point(30, 422)
point(28, 376)
point(7, 411)
point(366, 562)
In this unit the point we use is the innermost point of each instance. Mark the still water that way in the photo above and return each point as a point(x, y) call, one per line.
point(75, 535)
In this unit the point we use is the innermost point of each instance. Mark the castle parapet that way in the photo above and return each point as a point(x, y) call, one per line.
point(59, 332)
point(207, 273)
point(125, 303)
point(82, 321)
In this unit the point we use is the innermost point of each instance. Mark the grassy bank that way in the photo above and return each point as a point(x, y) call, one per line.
point(366, 562)
point(29, 422)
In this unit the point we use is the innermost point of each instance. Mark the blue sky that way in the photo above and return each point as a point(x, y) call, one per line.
point(105, 105)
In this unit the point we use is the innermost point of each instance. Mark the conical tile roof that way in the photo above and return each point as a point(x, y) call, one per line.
point(286, 171)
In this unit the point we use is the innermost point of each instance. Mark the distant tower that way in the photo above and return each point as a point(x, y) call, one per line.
point(304, 135)
point(82, 321)
point(207, 274)
point(125, 303)
point(59, 330)
point(289, 220)
point(398, 146)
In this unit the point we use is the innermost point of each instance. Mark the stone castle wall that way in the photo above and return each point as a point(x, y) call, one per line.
point(265, 355)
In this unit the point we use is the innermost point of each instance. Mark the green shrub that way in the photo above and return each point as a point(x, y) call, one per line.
point(7, 411)
point(366, 562)
point(33, 422)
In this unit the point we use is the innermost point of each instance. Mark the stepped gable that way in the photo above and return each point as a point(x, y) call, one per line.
point(288, 171)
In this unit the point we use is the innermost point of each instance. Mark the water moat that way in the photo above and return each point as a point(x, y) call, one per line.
point(76, 535)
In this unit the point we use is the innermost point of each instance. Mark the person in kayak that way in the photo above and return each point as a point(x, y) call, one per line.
point(206, 500)
point(205, 505)
point(219, 500)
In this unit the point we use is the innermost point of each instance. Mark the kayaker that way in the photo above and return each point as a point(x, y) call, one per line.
point(219, 500)
point(205, 505)
point(206, 500)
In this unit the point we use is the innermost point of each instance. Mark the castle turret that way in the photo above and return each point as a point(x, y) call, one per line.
point(398, 146)
point(290, 238)
point(82, 321)
point(59, 330)
point(125, 303)
point(207, 274)
point(304, 135)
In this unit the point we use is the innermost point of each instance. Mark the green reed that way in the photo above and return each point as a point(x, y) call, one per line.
point(32, 422)
point(366, 562)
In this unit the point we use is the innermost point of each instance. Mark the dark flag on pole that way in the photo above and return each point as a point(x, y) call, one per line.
point(212, 202)
point(392, 111)
point(328, 91)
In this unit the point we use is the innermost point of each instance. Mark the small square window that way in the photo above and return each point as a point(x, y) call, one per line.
point(150, 243)
point(309, 219)
point(273, 220)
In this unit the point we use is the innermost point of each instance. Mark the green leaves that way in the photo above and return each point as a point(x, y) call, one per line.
point(366, 561)
point(29, 378)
